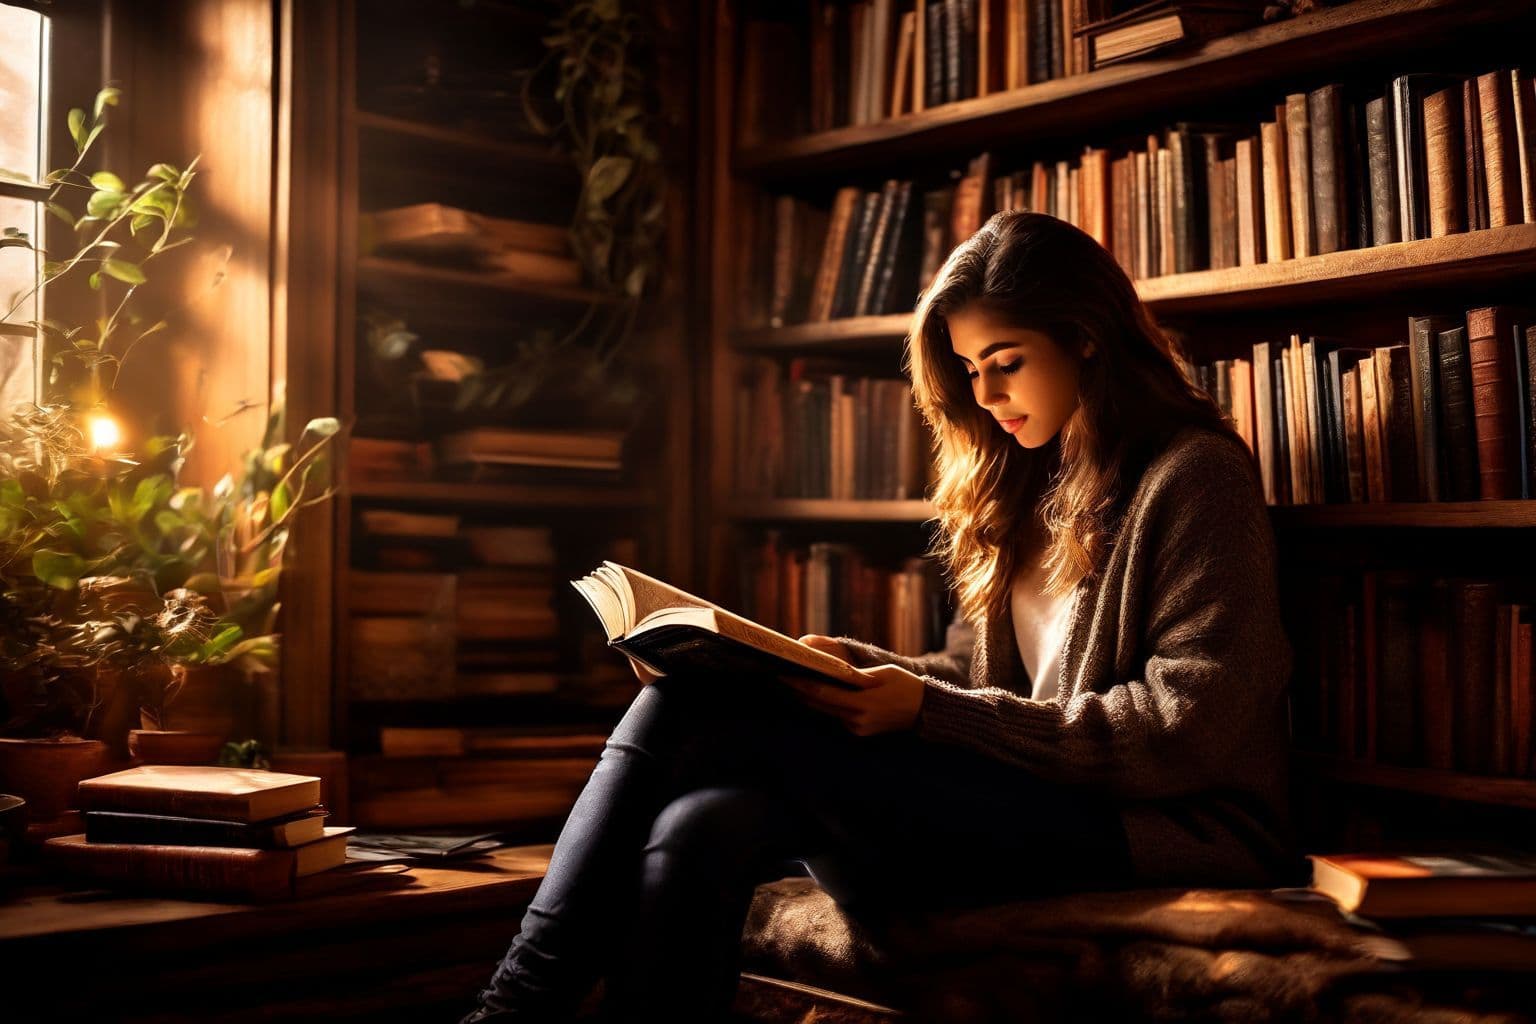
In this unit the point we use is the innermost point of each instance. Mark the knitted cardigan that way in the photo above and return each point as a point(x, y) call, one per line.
point(1173, 678)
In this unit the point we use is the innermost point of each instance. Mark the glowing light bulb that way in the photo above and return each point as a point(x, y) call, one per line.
point(106, 435)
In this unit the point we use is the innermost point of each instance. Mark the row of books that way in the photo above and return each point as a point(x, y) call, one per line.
point(229, 832)
point(1330, 172)
point(862, 62)
point(1445, 417)
point(484, 448)
point(837, 590)
point(815, 429)
point(1409, 669)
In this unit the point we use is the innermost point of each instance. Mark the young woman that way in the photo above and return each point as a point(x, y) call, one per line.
point(1108, 711)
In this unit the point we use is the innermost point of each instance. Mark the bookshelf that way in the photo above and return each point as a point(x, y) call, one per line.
point(1239, 76)
point(422, 102)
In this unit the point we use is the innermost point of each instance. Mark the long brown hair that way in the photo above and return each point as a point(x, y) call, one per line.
point(1000, 503)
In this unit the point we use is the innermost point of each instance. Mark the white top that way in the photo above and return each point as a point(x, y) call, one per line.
point(1040, 625)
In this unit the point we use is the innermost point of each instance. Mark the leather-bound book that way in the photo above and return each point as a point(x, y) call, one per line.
point(1267, 444)
point(855, 253)
point(1357, 188)
point(1437, 679)
point(1520, 360)
point(1298, 142)
point(1477, 171)
point(897, 287)
point(825, 288)
point(1499, 154)
point(879, 238)
point(1444, 163)
point(1354, 437)
point(1382, 173)
point(1122, 230)
point(1095, 198)
point(1275, 168)
point(1496, 411)
point(230, 794)
point(169, 830)
point(1523, 113)
point(1397, 683)
point(954, 42)
point(1039, 41)
point(938, 207)
point(1370, 419)
point(1529, 379)
point(202, 870)
point(1250, 202)
point(1423, 358)
point(1459, 432)
point(1472, 660)
point(1407, 107)
point(1330, 211)
point(1394, 398)
point(785, 249)
point(935, 45)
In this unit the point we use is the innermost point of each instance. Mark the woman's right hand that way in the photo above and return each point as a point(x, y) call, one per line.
point(645, 675)
point(826, 645)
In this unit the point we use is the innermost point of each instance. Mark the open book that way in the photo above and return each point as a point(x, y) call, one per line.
point(671, 631)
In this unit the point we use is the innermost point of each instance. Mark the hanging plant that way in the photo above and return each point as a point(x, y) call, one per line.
point(601, 115)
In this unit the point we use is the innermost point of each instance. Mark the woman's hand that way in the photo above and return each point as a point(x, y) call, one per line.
point(888, 703)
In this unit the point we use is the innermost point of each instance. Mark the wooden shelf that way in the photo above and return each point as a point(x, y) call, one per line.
point(1474, 257)
point(1483, 789)
point(402, 281)
point(1510, 514)
point(1319, 41)
point(1417, 515)
point(467, 495)
point(831, 510)
point(1478, 257)
point(512, 152)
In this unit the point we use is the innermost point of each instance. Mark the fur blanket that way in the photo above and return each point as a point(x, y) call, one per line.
point(1174, 955)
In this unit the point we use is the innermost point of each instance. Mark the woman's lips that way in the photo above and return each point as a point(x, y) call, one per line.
point(1012, 425)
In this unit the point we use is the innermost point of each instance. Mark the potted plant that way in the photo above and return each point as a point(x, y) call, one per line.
point(114, 576)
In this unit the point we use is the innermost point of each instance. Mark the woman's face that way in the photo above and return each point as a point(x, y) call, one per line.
point(1022, 377)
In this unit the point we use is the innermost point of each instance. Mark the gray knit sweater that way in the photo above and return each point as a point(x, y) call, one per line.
point(1173, 678)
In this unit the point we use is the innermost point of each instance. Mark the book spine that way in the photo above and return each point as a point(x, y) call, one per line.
point(115, 827)
point(1457, 416)
point(1370, 418)
point(1354, 436)
point(899, 251)
point(1477, 169)
point(1383, 173)
point(1423, 355)
point(878, 240)
point(1523, 114)
point(935, 42)
point(1264, 419)
point(1299, 152)
point(1499, 159)
point(221, 871)
point(1444, 164)
point(1277, 193)
point(1529, 380)
point(1493, 393)
point(1397, 425)
point(1330, 212)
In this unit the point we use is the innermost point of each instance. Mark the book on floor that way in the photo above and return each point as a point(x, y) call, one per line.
point(1466, 885)
point(672, 631)
point(194, 791)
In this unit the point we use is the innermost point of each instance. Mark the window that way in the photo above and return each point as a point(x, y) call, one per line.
point(23, 142)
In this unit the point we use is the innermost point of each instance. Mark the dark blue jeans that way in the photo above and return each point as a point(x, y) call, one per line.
point(708, 788)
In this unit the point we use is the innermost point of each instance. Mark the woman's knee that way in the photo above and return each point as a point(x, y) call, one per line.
point(713, 827)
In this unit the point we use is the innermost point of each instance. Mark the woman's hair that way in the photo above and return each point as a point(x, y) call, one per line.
point(999, 503)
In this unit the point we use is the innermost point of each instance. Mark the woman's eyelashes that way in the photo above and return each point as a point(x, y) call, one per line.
point(1006, 369)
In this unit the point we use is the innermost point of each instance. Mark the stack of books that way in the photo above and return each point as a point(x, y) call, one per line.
point(435, 233)
point(506, 620)
point(1438, 912)
point(387, 460)
point(225, 832)
point(488, 452)
point(403, 634)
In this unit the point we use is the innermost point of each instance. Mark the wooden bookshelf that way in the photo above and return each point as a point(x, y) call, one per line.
point(459, 139)
point(404, 282)
point(1485, 789)
point(478, 495)
point(1336, 292)
point(1313, 44)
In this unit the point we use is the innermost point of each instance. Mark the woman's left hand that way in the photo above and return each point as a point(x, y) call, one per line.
point(889, 701)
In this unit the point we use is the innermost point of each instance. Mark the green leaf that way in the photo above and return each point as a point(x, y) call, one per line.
point(108, 182)
point(128, 273)
point(282, 499)
point(77, 128)
point(59, 569)
point(140, 222)
point(165, 172)
point(606, 176)
point(106, 98)
point(94, 281)
point(167, 521)
point(101, 204)
point(59, 211)
point(323, 426)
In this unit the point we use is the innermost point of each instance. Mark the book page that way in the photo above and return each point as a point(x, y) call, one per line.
point(649, 594)
point(605, 601)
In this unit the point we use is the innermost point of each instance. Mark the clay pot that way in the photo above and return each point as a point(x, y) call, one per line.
point(173, 746)
point(46, 772)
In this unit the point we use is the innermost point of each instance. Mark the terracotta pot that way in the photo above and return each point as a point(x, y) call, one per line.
point(173, 746)
point(46, 772)
point(205, 701)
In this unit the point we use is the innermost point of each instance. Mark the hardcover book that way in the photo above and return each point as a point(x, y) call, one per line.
point(673, 632)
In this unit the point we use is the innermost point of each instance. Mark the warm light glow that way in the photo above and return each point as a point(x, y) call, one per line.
point(106, 435)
